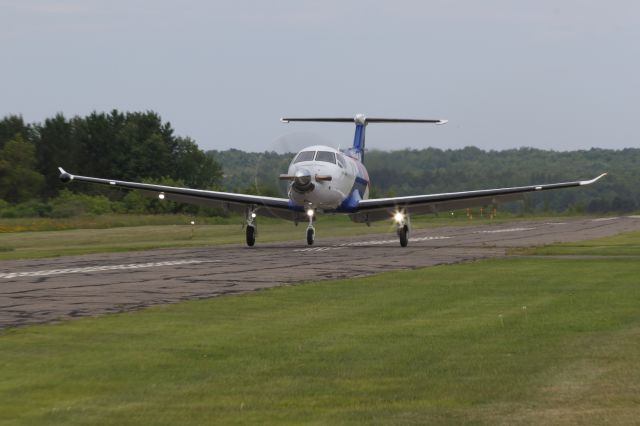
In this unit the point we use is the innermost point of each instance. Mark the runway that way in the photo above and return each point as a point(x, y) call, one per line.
point(56, 289)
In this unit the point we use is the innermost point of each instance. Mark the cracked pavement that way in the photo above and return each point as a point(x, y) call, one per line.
point(57, 289)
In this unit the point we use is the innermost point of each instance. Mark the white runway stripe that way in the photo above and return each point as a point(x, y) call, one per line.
point(102, 268)
point(499, 231)
point(367, 243)
point(605, 219)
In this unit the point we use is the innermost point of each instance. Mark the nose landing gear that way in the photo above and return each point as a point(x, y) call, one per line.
point(311, 231)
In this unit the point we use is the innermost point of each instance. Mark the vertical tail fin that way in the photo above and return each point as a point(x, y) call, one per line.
point(357, 150)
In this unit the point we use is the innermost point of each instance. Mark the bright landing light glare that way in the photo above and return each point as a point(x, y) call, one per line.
point(310, 212)
point(398, 217)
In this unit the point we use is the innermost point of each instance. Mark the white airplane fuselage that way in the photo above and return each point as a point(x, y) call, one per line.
point(327, 180)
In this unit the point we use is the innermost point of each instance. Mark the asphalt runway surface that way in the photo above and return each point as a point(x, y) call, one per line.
point(57, 289)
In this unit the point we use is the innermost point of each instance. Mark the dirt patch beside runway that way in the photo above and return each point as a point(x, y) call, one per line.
point(49, 290)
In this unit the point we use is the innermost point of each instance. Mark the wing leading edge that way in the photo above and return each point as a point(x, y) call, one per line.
point(382, 208)
point(267, 206)
point(367, 210)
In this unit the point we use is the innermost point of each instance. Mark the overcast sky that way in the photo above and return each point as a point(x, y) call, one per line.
point(546, 73)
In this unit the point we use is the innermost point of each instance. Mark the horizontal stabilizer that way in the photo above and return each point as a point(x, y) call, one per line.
point(361, 119)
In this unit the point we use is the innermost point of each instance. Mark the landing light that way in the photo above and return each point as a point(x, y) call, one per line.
point(398, 217)
point(310, 212)
point(161, 196)
point(253, 215)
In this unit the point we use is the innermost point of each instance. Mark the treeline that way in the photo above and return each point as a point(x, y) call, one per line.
point(139, 146)
point(136, 146)
point(432, 170)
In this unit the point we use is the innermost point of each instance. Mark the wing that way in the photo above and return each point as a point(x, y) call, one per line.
point(265, 206)
point(383, 208)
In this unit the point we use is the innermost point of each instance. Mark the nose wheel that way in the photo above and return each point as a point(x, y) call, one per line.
point(311, 232)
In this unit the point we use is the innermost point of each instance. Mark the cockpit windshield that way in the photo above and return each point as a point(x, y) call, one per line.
point(326, 156)
point(304, 156)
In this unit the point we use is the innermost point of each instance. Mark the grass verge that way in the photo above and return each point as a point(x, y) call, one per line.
point(627, 244)
point(119, 233)
point(511, 341)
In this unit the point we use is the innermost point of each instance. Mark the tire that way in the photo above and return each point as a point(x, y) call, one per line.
point(311, 236)
point(403, 233)
point(251, 235)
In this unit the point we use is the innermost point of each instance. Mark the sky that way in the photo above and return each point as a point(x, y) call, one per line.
point(548, 74)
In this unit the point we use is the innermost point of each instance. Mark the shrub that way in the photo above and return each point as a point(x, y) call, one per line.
point(68, 204)
point(32, 208)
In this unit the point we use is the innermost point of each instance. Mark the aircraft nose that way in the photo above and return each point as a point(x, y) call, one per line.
point(302, 181)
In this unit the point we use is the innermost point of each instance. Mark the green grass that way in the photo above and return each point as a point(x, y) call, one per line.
point(38, 224)
point(619, 245)
point(444, 345)
point(119, 233)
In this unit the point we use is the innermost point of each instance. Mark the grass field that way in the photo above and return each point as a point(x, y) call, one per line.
point(533, 340)
point(620, 245)
point(117, 233)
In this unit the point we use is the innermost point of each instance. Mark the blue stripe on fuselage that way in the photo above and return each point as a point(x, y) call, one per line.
point(360, 185)
point(350, 204)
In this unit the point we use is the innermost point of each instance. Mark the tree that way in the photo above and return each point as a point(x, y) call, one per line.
point(193, 166)
point(56, 147)
point(18, 179)
point(12, 126)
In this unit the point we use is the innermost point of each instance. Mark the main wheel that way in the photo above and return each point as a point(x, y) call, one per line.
point(311, 235)
point(403, 233)
point(251, 235)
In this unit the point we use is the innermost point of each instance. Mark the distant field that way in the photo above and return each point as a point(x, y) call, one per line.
point(118, 233)
point(533, 340)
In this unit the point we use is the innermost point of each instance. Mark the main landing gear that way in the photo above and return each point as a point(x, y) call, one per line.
point(403, 233)
point(402, 222)
point(252, 228)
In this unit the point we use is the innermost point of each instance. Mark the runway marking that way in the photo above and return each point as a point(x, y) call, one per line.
point(555, 223)
point(604, 219)
point(366, 243)
point(87, 269)
point(634, 216)
point(498, 231)
point(316, 249)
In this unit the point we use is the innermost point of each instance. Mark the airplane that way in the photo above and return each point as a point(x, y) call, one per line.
point(322, 179)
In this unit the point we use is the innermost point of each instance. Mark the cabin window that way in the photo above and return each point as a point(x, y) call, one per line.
point(326, 156)
point(304, 156)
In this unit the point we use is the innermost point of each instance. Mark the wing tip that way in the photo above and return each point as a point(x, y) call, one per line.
point(65, 177)
point(589, 182)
